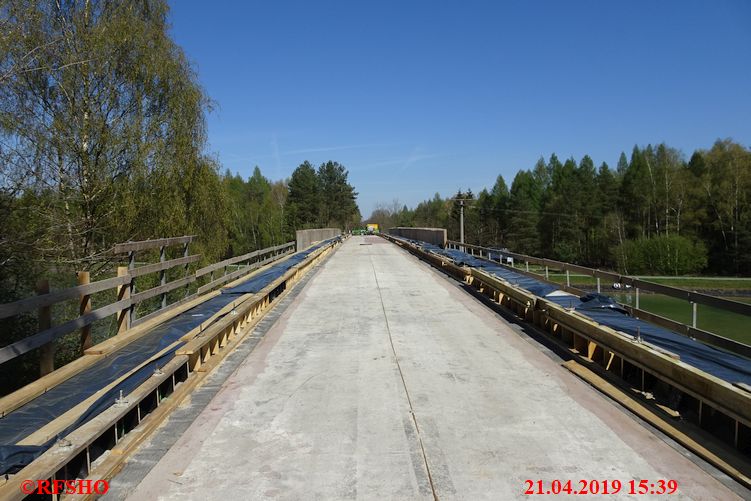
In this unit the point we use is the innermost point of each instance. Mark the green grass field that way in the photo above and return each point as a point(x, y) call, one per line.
point(710, 319)
point(714, 320)
point(688, 283)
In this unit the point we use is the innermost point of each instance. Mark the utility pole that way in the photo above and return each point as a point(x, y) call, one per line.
point(461, 221)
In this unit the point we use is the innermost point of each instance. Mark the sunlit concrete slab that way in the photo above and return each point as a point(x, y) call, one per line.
point(384, 380)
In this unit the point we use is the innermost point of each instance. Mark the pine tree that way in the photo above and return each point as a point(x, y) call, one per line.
point(303, 203)
point(524, 200)
point(338, 206)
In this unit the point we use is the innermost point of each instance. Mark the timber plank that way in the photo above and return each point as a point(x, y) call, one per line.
point(151, 244)
point(32, 303)
point(66, 419)
point(723, 457)
point(163, 265)
point(29, 343)
point(116, 342)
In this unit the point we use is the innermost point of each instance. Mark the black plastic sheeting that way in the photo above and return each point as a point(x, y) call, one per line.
point(265, 277)
point(606, 311)
point(57, 400)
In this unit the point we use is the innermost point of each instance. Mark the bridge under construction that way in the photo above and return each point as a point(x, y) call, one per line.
point(388, 368)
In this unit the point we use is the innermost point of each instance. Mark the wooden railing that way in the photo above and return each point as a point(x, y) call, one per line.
point(128, 316)
point(83, 452)
point(638, 285)
point(272, 252)
point(128, 296)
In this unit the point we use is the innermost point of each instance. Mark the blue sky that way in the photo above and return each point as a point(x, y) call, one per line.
point(420, 97)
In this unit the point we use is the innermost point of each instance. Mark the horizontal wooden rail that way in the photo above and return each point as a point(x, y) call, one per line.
point(151, 244)
point(29, 343)
point(33, 303)
point(161, 289)
point(727, 344)
point(723, 395)
point(163, 265)
point(677, 327)
point(239, 259)
point(157, 313)
point(227, 262)
point(128, 298)
point(233, 275)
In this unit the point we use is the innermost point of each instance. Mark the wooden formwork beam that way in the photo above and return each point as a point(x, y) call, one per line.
point(725, 458)
point(723, 395)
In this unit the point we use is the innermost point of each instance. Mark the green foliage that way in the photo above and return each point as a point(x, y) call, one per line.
point(338, 206)
point(432, 213)
point(101, 116)
point(662, 255)
point(102, 140)
point(256, 212)
point(524, 213)
point(322, 198)
point(723, 187)
point(304, 201)
point(622, 218)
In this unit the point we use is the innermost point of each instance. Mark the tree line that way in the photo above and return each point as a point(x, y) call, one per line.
point(654, 213)
point(103, 140)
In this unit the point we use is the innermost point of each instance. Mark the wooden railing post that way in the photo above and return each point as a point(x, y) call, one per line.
point(163, 273)
point(47, 352)
point(85, 307)
point(123, 292)
point(187, 265)
point(694, 314)
point(132, 265)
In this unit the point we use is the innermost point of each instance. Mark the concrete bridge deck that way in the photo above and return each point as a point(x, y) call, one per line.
point(384, 380)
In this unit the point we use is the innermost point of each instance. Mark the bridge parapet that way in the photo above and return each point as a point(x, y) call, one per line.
point(305, 238)
point(435, 236)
